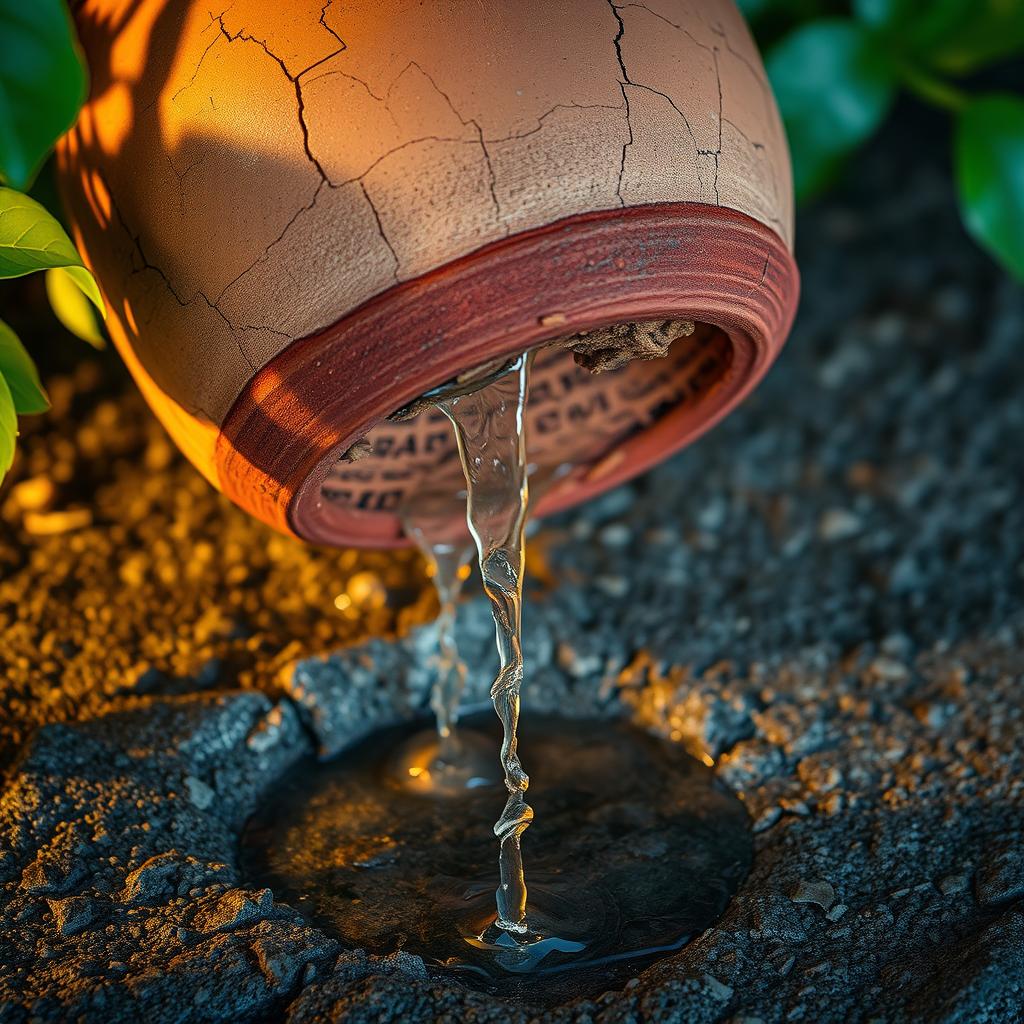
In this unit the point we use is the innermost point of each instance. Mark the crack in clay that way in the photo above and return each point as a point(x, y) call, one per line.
point(466, 122)
point(759, 146)
point(195, 74)
point(617, 42)
point(628, 81)
point(323, 21)
point(266, 252)
point(147, 264)
point(547, 113)
point(757, 72)
point(766, 94)
point(351, 78)
point(296, 81)
point(492, 181)
point(380, 228)
point(718, 152)
point(481, 140)
point(180, 178)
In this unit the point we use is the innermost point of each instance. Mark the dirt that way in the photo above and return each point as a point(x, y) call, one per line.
point(824, 598)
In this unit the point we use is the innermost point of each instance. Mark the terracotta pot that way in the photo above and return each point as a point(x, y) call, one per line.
point(303, 216)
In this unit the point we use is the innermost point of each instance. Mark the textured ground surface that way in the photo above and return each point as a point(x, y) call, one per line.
point(825, 596)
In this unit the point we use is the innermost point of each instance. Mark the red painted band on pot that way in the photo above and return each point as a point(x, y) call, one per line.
point(285, 432)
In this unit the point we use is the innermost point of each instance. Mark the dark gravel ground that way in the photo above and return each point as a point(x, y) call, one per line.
point(825, 596)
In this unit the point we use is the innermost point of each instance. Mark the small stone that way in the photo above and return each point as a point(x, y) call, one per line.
point(952, 884)
point(71, 914)
point(613, 586)
point(837, 912)
point(818, 891)
point(41, 876)
point(199, 792)
point(579, 665)
point(717, 989)
point(615, 535)
point(232, 909)
point(552, 320)
point(269, 730)
point(768, 817)
point(838, 524)
point(888, 670)
point(151, 879)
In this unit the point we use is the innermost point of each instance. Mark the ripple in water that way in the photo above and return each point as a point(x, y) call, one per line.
point(638, 848)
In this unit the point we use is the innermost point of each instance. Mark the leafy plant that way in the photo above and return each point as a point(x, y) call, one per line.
point(837, 67)
point(42, 85)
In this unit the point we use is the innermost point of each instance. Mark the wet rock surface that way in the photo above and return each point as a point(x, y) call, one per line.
point(825, 597)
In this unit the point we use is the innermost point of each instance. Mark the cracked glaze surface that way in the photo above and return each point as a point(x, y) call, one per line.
point(240, 179)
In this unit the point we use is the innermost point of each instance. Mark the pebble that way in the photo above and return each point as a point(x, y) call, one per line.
point(199, 792)
point(839, 524)
point(718, 990)
point(814, 891)
point(72, 913)
point(952, 884)
point(233, 909)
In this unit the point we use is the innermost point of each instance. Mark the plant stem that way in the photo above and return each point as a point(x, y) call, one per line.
point(934, 90)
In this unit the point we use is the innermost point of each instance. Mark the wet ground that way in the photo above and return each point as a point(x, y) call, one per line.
point(825, 598)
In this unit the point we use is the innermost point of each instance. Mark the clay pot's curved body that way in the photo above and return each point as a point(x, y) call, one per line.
point(305, 215)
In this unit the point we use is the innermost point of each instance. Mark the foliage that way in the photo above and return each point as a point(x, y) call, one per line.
point(836, 69)
point(42, 85)
point(990, 175)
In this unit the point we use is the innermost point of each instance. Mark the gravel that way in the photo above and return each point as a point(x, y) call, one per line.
point(825, 597)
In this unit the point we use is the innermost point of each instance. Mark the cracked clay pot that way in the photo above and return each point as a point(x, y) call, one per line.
point(304, 216)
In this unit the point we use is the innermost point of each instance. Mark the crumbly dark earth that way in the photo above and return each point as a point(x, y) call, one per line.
point(825, 596)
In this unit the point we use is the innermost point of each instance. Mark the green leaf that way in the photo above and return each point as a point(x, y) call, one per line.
point(989, 153)
point(42, 84)
point(32, 239)
point(834, 86)
point(955, 36)
point(71, 307)
point(87, 285)
point(8, 428)
point(17, 368)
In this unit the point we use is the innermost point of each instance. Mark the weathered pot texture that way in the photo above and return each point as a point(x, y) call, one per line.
point(305, 215)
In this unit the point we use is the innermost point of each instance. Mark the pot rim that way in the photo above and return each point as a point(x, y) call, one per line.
point(309, 403)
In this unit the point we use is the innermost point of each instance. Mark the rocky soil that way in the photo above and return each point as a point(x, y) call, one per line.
point(825, 597)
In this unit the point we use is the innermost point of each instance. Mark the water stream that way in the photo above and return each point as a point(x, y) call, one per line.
point(638, 846)
point(489, 428)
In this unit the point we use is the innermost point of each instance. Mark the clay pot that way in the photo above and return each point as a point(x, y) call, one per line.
point(304, 216)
